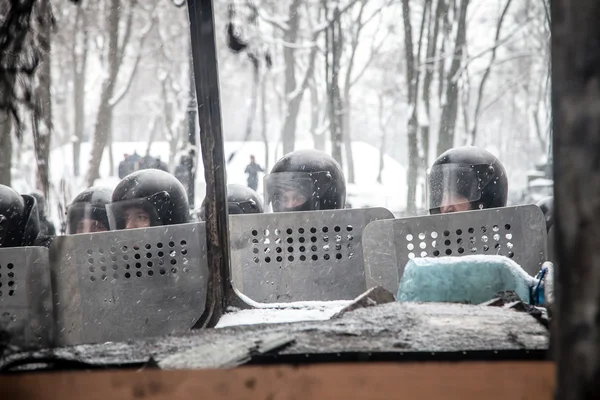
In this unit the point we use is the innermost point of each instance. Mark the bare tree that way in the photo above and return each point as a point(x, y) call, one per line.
point(451, 87)
point(294, 89)
point(263, 116)
point(333, 49)
point(356, 26)
point(109, 98)
point(42, 113)
point(432, 40)
point(486, 74)
point(6, 126)
point(79, 54)
point(412, 80)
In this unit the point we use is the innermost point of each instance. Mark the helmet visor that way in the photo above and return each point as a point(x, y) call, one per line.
point(456, 185)
point(86, 218)
point(296, 191)
point(137, 213)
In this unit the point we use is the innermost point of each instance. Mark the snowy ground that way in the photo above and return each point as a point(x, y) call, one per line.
point(276, 313)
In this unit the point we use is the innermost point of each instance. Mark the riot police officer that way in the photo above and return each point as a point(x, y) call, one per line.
point(19, 223)
point(148, 197)
point(87, 212)
point(46, 226)
point(466, 178)
point(241, 200)
point(306, 180)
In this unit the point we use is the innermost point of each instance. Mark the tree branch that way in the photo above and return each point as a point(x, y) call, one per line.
point(487, 72)
point(118, 97)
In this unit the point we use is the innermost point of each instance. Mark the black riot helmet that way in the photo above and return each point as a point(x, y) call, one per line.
point(466, 178)
point(547, 207)
point(306, 180)
point(40, 202)
point(240, 200)
point(148, 197)
point(19, 222)
point(87, 212)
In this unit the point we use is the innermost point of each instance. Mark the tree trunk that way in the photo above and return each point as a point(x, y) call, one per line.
point(333, 51)
point(412, 125)
point(347, 133)
point(428, 78)
point(79, 63)
point(293, 101)
point(317, 135)
point(487, 72)
point(253, 102)
point(111, 155)
point(264, 119)
point(104, 118)
point(450, 108)
point(42, 115)
point(5, 147)
point(382, 128)
point(576, 118)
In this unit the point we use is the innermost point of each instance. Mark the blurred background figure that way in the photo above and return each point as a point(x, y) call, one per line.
point(47, 228)
point(252, 170)
point(240, 200)
point(125, 167)
point(87, 212)
point(19, 224)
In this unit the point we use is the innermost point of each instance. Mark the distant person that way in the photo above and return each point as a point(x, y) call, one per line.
point(125, 167)
point(135, 161)
point(306, 180)
point(146, 198)
point(252, 170)
point(466, 178)
point(19, 223)
point(87, 213)
point(161, 165)
point(47, 228)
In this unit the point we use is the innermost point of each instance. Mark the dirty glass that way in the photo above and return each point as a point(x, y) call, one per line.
point(345, 105)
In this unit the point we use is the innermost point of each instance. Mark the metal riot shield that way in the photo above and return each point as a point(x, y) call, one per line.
point(26, 296)
point(114, 286)
point(515, 232)
point(301, 256)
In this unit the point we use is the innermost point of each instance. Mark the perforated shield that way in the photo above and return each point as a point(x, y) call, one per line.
point(26, 296)
point(118, 285)
point(300, 256)
point(515, 232)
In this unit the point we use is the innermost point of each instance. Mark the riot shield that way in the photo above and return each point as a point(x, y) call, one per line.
point(518, 233)
point(301, 256)
point(26, 296)
point(114, 286)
